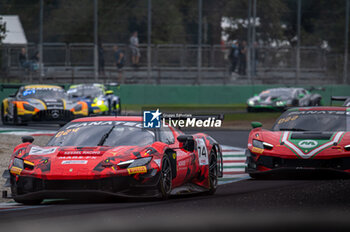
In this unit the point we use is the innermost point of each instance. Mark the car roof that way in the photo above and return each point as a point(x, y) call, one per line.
point(110, 118)
point(321, 108)
point(282, 89)
point(86, 85)
point(42, 86)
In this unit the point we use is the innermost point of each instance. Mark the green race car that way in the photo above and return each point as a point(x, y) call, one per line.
point(279, 99)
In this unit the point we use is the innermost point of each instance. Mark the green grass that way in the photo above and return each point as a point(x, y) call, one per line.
point(188, 107)
point(232, 112)
point(252, 116)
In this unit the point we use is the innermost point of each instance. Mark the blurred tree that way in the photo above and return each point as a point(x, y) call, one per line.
point(322, 23)
point(176, 21)
point(269, 14)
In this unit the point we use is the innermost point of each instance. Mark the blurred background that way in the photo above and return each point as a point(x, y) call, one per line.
point(180, 41)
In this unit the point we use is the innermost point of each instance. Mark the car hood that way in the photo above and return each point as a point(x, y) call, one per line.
point(304, 145)
point(86, 162)
point(50, 103)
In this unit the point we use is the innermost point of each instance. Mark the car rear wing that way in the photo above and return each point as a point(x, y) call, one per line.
point(9, 86)
point(17, 86)
point(311, 89)
point(339, 98)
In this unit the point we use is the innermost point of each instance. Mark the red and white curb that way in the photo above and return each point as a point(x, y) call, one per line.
point(234, 164)
point(31, 132)
point(12, 206)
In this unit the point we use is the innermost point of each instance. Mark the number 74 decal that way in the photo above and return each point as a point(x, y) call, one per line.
point(202, 152)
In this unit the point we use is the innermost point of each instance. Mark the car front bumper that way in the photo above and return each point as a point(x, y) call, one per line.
point(31, 188)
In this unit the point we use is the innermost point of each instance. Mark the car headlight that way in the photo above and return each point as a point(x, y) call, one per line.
point(347, 147)
point(280, 103)
point(78, 107)
point(28, 107)
point(251, 102)
point(262, 145)
point(139, 162)
point(99, 102)
point(18, 163)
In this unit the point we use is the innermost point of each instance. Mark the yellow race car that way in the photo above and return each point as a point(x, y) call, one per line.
point(40, 103)
point(99, 99)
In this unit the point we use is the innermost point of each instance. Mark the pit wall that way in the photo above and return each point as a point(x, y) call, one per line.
point(199, 95)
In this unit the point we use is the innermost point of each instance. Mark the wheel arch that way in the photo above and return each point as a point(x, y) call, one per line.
point(173, 160)
point(217, 150)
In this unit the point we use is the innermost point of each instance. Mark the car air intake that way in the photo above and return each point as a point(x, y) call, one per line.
point(312, 135)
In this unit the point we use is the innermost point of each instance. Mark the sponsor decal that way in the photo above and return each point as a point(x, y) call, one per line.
point(66, 132)
point(182, 163)
point(74, 162)
point(141, 169)
point(81, 152)
point(202, 152)
point(105, 123)
point(257, 150)
point(77, 157)
point(307, 143)
point(15, 170)
point(42, 151)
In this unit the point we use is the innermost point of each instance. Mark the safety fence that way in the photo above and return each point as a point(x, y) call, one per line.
point(200, 95)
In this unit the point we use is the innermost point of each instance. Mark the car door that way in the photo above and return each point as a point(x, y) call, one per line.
point(183, 157)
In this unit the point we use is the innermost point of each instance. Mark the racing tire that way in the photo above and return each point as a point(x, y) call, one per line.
point(119, 111)
point(15, 116)
point(29, 202)
point(213, 173)
point(250, 109)
point(165, 182)
point(3, 118)
point(318, 102)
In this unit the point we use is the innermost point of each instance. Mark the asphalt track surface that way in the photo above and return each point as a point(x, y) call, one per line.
point(290, 204)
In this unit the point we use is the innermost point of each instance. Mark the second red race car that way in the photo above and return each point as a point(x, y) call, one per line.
point(114, 156)
point(303, 140)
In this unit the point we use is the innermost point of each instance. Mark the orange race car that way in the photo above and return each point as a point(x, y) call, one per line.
point(41, 103)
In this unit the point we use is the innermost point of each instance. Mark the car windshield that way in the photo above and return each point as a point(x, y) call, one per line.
point(313, 120)
point(103, 133)
point(43, 93)
point(276, 93)
point(85, 91)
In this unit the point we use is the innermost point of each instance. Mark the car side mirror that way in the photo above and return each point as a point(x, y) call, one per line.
point(187, 142)
point(256, 124)
point(27, 139)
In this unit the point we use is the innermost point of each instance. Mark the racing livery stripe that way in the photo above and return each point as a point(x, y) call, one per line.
point(300, 153)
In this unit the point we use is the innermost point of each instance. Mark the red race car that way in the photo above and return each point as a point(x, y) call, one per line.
point(309, 139)
point(114, 156)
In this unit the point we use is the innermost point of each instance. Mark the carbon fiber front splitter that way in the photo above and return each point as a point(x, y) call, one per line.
point(28, 188)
